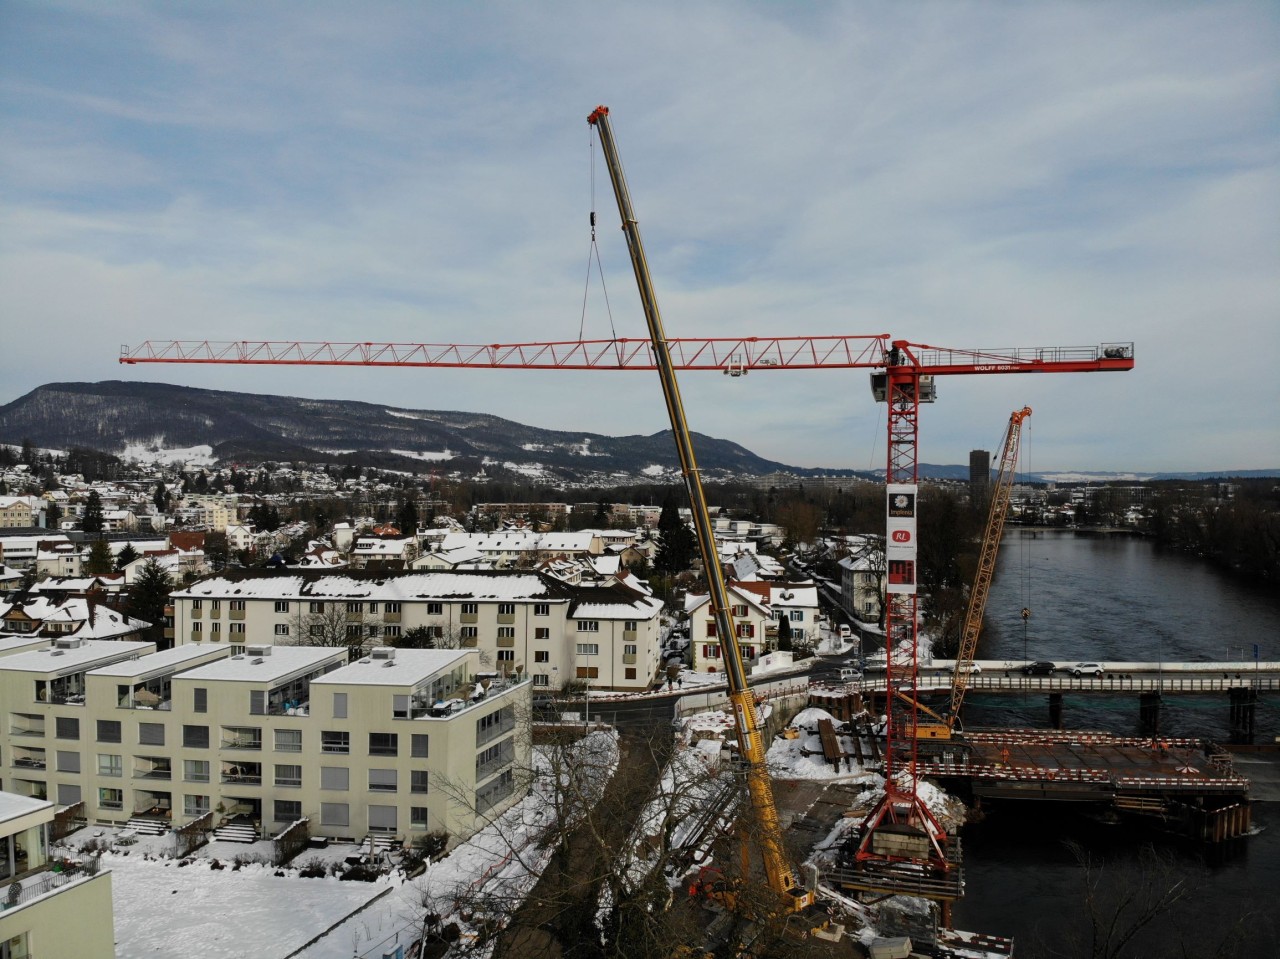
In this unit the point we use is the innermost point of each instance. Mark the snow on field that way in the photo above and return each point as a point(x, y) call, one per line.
point(165, 909)
point(155, 452)
point(429, 455)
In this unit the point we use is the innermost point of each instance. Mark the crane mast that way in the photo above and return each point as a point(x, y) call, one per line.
point(778, 873)
point(996, 514)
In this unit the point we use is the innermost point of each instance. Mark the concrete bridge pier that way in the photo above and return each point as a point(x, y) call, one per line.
point(1055, 710)
point(1244, 700)
point(1149, 708)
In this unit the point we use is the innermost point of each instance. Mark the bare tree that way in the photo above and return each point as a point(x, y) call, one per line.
point(326, 623)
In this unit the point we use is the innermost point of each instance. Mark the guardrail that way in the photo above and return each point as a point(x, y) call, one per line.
point(1109, 683)
point(60, 873)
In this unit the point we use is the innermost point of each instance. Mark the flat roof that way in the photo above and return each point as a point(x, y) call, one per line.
point(12, 806)
point(282, 662)
point(92, 653)
point(9, 645)
point(165, 661)
point(407, 668)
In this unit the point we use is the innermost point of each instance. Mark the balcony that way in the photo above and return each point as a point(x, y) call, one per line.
point(242, 774)
point(148, 768)
point(24, 724)
point(506, 619)
point(60, 872)
point(629, 659)
point(506, 641)
point(236, 614)
point(391, 617)
point(468, 617)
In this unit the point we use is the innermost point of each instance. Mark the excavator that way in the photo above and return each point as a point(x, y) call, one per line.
point(943, 726)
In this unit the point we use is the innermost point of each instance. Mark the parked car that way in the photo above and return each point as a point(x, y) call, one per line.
point(1041, 667)
point(1087, 669)
point(973, 669)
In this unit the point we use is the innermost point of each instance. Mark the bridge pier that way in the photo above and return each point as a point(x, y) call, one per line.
point(1149, 708)
point(1055, 710)
point(1244, 700)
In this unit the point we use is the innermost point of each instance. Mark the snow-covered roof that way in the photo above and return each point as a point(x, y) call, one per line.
point(281, 662)
point(62, 661)
point(406, 667)
point(166, 661)
point(384, 586)
point(642, 607)
point(13, 806)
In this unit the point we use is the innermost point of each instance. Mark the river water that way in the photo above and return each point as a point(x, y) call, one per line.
point(1119, 599)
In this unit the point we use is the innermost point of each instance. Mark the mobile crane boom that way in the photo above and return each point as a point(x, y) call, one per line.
point(996, 514)
point(778, 873)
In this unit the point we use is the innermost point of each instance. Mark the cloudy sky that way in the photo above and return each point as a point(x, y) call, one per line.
point(971, 175)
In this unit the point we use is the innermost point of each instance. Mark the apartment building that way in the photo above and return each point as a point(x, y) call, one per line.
point(522, 623)
point(400, 743)
point(42, 912)
point(758, 610)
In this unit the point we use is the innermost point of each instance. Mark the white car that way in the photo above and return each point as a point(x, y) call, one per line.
point(1087, 669)
point(973, 669)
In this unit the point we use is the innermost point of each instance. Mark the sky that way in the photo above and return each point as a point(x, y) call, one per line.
point(967, 175)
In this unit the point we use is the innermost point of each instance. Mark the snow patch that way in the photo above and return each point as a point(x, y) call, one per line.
point(156, 452)
point(445, 454)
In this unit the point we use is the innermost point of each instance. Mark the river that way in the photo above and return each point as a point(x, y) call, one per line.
point(1114, 598)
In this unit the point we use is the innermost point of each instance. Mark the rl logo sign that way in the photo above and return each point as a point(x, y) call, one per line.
point(902, 536)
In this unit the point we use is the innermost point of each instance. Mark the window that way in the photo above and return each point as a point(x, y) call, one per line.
point(195, 628)
point(542, 632)
point(335, 742)
point(288, 740)
point(630, 673)
point(711, 628)
point(197, 604)
point(195, 770)
point(470, 632)
point(315, 629)
point(68, 762)
point(335, 777)
point(588, 649)
point(373, 607)
point(418, 817)
point(748, 652)
point(497, 722)
point(290, 776)
point(470, 609)
point(628, 649)
point(282, 629)
point(111, 798)
point(797, 615)
point(108, 731)
point(711, 651)
point(740, 609)
point(201, 704)
point(68, 794)
point(215, 607)
point(541, 679)
point(193, 807)
point(418, 781)
point(389, 631)
point(371, 631)
point(384, 744)
point(257, 702)
point(353, 630)
point(195, 737)
point(541, 609)
point(542, 656)
point(629, 626)
point(282, 606)
point(395, 608)
point(151, 734)
point(746, 630)
point(215, 630)
point(110, 765)
point(236, 606)
point(506, 655)
point(382, 781)
point(400, 706)
point(316, 608)
point(588, 672)
point(433, 609)
point(68, 727)
point(495, 791)
point(339, 705)
point(497, 756)
point(287, 810)
point(506, 632)
point(382, 818)
point(236, 629)
point(419, 746)
point(588, 625)
point(355, 607)
point(506, 609)
point(335, 814)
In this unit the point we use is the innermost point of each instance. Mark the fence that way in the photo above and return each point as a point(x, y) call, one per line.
point(291, 841)
point(193, 835)
point(60, 873)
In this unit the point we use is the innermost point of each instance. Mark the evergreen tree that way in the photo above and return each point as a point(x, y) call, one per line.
point(126, 556)
point(161, 497)
point(92, 522)
point(784, 633)
point(99, 561)
point(52, 516)
point(676, 540)
point(148, 597)
point(407, 517)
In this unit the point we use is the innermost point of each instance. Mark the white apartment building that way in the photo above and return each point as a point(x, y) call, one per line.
point(43, 913)
point(758, 608)
point(522, 623)
point(400, 743)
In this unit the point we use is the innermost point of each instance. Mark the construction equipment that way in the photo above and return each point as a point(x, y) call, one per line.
point(791, 897)
point(900, 830)
point(987, 554)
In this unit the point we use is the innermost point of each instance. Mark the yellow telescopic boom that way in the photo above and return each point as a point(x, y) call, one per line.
point(778, 872)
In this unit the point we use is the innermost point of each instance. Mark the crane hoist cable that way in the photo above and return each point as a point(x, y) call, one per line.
point(593, 253)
